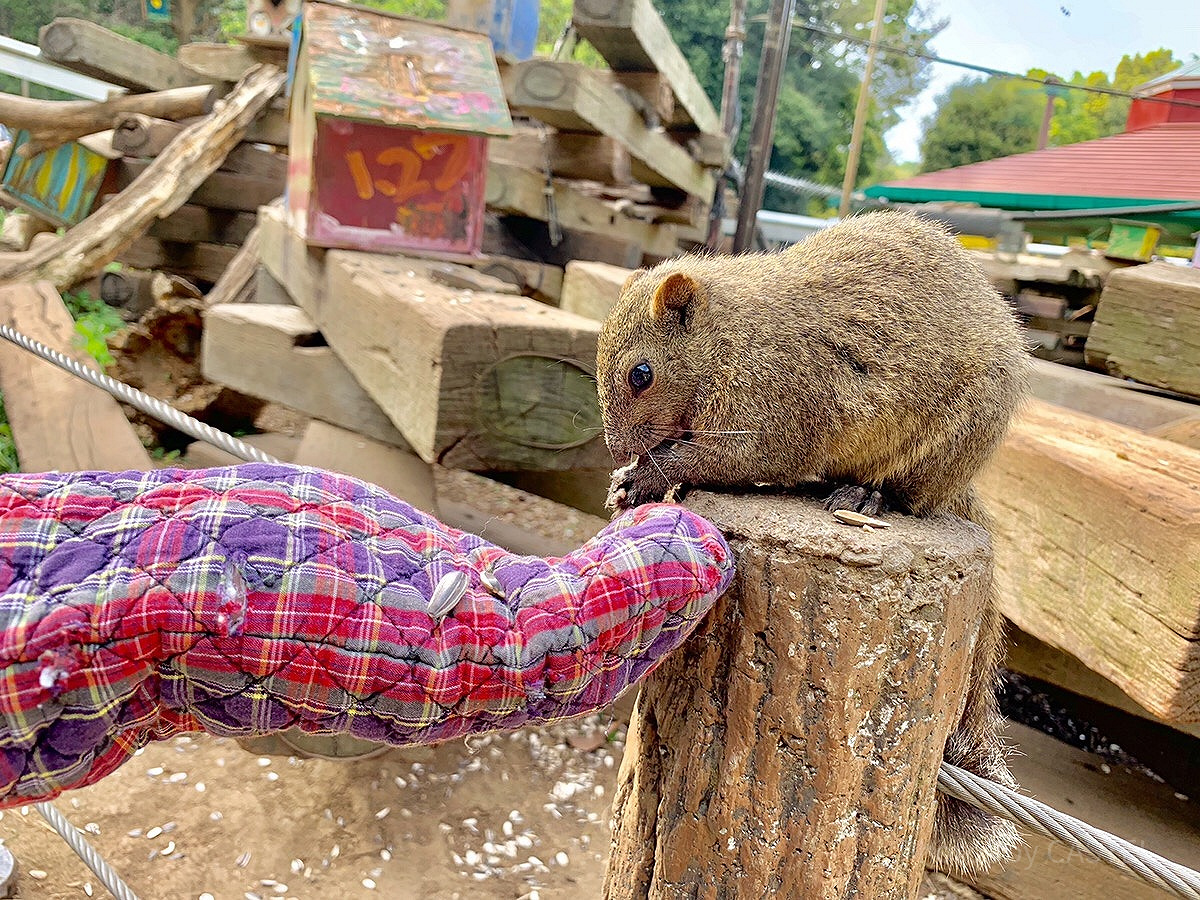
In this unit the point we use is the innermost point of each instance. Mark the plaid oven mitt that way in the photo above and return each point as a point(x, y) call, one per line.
point(255, 598)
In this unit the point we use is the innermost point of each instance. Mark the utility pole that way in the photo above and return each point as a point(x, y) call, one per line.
point(735, 41)
point(860, 112)
point(1052, 94)
point(762, 127)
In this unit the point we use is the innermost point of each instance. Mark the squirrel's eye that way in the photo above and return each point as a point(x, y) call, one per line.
point(641, 377)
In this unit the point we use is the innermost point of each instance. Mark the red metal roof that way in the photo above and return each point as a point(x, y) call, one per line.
point(1158, 163)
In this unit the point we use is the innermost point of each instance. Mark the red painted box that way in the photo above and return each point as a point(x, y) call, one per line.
point(389, 121)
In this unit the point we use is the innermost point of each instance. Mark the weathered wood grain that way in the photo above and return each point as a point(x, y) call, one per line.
point(59, 422)
point(1097, 531)
point(591, 288)
point(1147, 326)
point(277, 353)
point(632, 37)
point(198, 261)
point(220, 190)
point(572, 97)
point(790, 748)
point(94, 50)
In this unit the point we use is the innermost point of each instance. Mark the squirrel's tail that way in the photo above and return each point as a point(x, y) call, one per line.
point(966, 839)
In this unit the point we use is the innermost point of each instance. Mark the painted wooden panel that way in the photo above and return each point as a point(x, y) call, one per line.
point(396, 71)
point(382, 188)
point(60, 184)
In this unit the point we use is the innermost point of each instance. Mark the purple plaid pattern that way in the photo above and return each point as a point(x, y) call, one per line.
point(254, 598)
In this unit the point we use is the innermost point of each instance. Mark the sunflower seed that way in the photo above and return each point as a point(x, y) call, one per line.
point(489, 580)
point(850, 517)
point(449, 590)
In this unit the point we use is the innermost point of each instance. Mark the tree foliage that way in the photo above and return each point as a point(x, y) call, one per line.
point(980, 119)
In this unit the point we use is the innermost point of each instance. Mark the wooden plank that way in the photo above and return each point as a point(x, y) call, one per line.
point(228, 62)
point(1147, 326)
point(199, 261)
point(290, 261)
point(59, 422)
point(1129, 804)
point(272, 127)
point(1097, 535)
point(236, 284)
point(475, 381)
point(268, 289)
point(534, 278)
point(514, 190)
point(1027, 655)
point(277, 353)
point(573, 97)
point(394, 469)
point(568, 155)
point(203, 224)
point(221, 190)
point(591, 288)
point(654, 91)
point(1181, 431)
point(1106, 397)
point(94, 50)
point(144, 136)
point(632, 37)
point(567, 245)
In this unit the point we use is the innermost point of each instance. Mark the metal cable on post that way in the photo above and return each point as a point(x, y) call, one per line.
point(151, 406)
point(1044, 820)
point(74, 837)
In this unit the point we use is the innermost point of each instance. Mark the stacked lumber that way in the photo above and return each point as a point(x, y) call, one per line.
point(619, 160)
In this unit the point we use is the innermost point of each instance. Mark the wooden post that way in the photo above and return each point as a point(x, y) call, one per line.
point(860, 113)
point(791, 747)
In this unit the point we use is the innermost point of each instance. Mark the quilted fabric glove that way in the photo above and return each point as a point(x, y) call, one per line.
point(255, 598)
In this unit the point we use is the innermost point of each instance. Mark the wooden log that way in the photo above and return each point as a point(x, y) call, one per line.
point(220, 190)
point(54, 122)
point(395, 469)
point(1147, 327)
point(572, 97)
point(515, 190)
point(591, 288)
point(162, 188)
point(1097, 531)
point(59, 422)
point(276, 353)
point(202, 224)
point(632, 37)
point(790, 748)
point(94, 50)
point(236, 284)
point(1116, 799)
point(196, 261)
point(479, 381)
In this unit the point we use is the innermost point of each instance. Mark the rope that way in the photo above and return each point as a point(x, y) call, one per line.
point(74, 837)
point(953, 781)
point(135, 398)
point(1042, 819)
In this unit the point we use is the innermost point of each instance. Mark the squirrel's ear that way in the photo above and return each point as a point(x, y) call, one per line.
point(675, 293)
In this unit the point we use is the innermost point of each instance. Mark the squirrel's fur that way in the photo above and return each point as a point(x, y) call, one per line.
point(874, 354)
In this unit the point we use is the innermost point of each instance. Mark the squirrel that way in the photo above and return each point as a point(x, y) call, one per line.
point(874, 355)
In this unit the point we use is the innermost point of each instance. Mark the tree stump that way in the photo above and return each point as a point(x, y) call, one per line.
point(791, 747)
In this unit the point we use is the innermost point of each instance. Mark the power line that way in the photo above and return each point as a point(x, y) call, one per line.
point(1049, 81)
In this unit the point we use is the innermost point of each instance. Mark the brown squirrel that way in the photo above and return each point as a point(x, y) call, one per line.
point(874, 355)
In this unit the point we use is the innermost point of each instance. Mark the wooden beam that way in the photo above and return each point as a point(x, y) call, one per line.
point(572, 97)
point(228, 62)
point(192, 260)
point(94, 50)
point(592, 288)
point(653, 88)
point(1097, 534)
point(1147, 326)
point(54, 122)
point(1105, 397)
point(632, 37)
point(220, 190)
point(143, 136)
point(519, 191)
point(277, 353)
point(567, 154)
point(791, 746)
point(476, 381)
point(534, 279)
point(162, 188)
point(236, 284)
point(199, 223)
point(59, 422)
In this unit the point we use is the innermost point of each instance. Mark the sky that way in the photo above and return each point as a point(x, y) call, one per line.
point(1017, 35)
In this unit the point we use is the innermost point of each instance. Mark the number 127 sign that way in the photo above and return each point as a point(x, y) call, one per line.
point(381, 187)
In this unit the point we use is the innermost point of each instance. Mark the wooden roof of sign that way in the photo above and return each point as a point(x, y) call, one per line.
point(367, 65)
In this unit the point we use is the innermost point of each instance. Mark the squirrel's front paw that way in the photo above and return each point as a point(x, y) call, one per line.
point(637, 483)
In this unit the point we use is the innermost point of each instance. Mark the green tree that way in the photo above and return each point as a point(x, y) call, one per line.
point(1083, 116)
point(982, 119)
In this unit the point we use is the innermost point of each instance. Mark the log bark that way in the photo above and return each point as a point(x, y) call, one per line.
point(790, 748)
point(94, 50)
point(54, 122)
point(162, 188)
